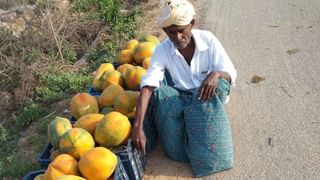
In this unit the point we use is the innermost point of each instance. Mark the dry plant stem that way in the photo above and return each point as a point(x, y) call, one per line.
point(97, 41)
point(4, 74)
point(55, 35)
point(63, 20)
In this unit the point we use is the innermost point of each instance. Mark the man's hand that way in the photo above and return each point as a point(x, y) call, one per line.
point(209, 85)
point(138, 138)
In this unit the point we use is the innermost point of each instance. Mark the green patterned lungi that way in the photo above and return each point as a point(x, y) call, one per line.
point(191, 130)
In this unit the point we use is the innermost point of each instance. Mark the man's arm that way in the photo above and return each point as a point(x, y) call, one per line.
point(210, 83)
point(138, 137)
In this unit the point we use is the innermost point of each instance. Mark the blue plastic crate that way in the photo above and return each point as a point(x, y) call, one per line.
point(92, 92)
point(72, 120)
point(133, 161)
point(44, 157)
point(33, 174)
point(120, 172)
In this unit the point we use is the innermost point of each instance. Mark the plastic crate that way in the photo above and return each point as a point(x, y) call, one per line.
point(92, 92)
point(44, 157)
point(72, 120)
point(120, 172)
point(133, 161)
point(33, 174)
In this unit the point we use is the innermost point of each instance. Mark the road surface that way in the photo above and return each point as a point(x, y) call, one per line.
point(275, 123)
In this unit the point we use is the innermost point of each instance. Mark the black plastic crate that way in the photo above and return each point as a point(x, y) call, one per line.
point(44, 157)
point(33, 174)
point(133, 161)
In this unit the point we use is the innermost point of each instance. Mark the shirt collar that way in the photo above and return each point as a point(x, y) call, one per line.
point(200, 44)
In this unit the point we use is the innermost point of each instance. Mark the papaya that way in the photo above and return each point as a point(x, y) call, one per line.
point(82, 104)
point(131, 44)
point(124, 56)
point(146, 63)
point(150, 38)
point(98, 164)
point(113, 130)
point(142, 51)
point(97, 84)
point(126, 102)
point(76, 142)
point(56, 129)
point(133, 77)
point(106, 99)
point(111, 77)
point(39, 177)
point(124, 68)
point(63, 164)
point(70, 177)
point(88, 122)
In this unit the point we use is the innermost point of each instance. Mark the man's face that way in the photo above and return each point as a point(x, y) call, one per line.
point(179, 35)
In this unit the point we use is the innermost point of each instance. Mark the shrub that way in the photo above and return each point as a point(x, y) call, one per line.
point(30, 113)
point(57, 86)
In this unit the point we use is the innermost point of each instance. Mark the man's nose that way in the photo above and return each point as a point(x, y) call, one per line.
point(179, 36)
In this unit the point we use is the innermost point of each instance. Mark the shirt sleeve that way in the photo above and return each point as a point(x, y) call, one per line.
point(222, 62)
point(155, 73)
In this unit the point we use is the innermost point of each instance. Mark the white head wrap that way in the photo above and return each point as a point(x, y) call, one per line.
point(176, 12)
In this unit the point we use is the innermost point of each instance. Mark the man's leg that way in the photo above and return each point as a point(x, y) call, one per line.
point(208, 134)
point(167, 116)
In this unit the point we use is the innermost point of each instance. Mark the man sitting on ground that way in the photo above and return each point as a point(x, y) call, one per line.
point(189, 115)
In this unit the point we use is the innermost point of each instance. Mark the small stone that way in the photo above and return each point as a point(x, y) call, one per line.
point(257, 79)
point(66, 111)
point(292, 51)
point(270, 141)
point(18, 26)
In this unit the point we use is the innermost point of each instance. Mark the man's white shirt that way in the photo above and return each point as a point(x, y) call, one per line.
point(209, 56)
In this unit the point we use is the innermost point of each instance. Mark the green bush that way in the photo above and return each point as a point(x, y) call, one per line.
point(110, 9)
point(16, 164)
point(57, 86)
point(69, 54)
point(83, 5)
point(31, 112)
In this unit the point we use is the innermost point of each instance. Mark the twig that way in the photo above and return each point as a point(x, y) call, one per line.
point(83, 60)
point(55, 35)
point(4, 74)
point(5, 57)
point(63, 21)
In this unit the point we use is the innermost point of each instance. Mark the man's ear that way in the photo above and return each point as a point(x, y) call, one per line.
point(192, 22)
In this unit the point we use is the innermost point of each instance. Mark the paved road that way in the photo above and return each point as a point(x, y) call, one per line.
point(275, 123)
